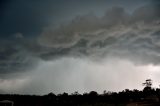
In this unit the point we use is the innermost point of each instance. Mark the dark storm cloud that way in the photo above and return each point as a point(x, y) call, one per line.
point(14, 57)
point(59, 45)
point(31, 16)
point(28, 17)
point(118, 32)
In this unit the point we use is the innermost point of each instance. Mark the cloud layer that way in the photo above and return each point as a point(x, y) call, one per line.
point(133, 36)
point(80, 48)
point(118, 33)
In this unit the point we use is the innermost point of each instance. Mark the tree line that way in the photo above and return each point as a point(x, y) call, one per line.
point(91, 98)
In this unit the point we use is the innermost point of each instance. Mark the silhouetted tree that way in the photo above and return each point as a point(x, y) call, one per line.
point(51, 94)
point(75, 93)
point(93, 93)
point(147, 84)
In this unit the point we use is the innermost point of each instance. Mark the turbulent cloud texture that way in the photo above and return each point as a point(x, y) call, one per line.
point(132, 36)
point(78, 49)
point(14, 57)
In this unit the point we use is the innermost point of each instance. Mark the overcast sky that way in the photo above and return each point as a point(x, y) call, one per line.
point(78, 45)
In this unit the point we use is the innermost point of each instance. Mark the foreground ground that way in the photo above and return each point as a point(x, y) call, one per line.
point(147, 97)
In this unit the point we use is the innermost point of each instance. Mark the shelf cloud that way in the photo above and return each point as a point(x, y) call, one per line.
point(66, 40)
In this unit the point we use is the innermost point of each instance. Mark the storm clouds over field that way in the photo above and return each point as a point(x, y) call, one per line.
point(78, 45)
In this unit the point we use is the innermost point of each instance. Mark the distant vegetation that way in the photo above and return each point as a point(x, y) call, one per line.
point(126, 97)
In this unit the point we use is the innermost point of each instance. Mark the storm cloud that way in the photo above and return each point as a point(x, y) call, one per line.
point(133, 36)
point(118, 33)
point(63, 51)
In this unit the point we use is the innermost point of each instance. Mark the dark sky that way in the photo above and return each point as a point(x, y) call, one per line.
point(31, 16)
point(78, 45)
